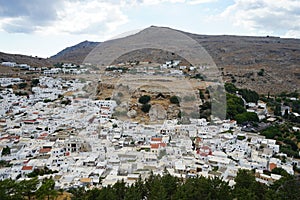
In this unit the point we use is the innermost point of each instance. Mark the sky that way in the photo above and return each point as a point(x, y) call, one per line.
point(45, 27)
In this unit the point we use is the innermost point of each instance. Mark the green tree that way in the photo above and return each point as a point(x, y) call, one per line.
point(247, 187)
point(5, 151)
point(201, 95)
point(107, 193)
point(277, 110)
point(170, 184)
point(219, 189)
point(288, 187)
point(230, 88)
point(47, 190)
point(8, 190)
point(261, 72)
point(235, 105)
point(145, 108)
point(22, 85)
point(27, 188)
point(249, 95)
point(120, 189)
point(246, 117)
point(35, 82)
point(78, 193)
point(157, 190)
point(174, 99)
point(144, 99)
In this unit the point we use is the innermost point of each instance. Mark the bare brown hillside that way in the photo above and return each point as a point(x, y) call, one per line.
point(265, 64)
point(22, 59)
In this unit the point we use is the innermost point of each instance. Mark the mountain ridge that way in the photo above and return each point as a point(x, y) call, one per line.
point(239, 58)
point(71, 54)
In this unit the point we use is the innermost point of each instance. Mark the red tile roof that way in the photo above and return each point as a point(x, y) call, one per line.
point(27, 168)
point(158, 145)
point(45, 150)
point(156, 139)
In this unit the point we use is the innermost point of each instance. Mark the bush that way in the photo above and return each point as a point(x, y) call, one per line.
point(174, 99)
point(22, 85)
point(6, 151)
point(47, 100)
point(230, 88)
point(144, 99)
point(261, 72)
point(249, 95)
point(146, 107)
point(201, 95)
point(35, 82)
point(235, 106)
point(246, 117)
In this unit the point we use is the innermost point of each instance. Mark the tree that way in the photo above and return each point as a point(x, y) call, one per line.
point(235, 105)
point(277, 110)
point(145, 108)
point(170, 184)
point(22, 85)
point(286, 188)
point(120, 189)
point(78, 193)
point(27, 187)
point(107, 193)
point(144, 99)
point(8, 190)
point(261, 72)
point(280, 171)
point(246, 186)
point(230, 88)
point(6, 151)
point(174, 99)
point(219, 189)
point(246, 117)
point(249, 95)
point(35, 82)
point(201, 95)
point(47, 190)
point(157, 191)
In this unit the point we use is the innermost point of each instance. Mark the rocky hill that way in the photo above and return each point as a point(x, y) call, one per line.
point(22, 59)
point(74, 54)
point(265, 64)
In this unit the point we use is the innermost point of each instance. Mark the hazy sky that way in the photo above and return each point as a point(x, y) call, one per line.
point(44, 27)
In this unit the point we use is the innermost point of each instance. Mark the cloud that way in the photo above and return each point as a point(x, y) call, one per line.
point(88, 17)
point(27, 16)
point(71, 16)
point(292, 34)
point(280, 16)
point(193, 2)
point(57, 16)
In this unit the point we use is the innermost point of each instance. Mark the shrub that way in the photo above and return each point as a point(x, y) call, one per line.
point(261, 72)
point(174, 99)
point(22, 85)
point(146, 107)
point(246, 117)
point(144, 99)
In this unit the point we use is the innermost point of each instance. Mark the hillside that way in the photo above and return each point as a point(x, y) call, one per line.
point(240, 58)
point(264, 64)
point(22, 59)
point(74, 54)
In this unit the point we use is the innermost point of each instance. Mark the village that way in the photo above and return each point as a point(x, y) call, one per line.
point(59, 129)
